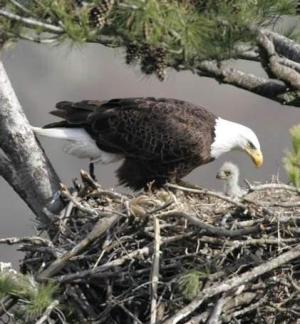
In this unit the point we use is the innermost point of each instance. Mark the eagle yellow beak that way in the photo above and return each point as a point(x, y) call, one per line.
point(256, 156)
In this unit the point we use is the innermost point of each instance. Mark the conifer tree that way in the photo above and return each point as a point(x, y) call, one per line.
point(199, 36)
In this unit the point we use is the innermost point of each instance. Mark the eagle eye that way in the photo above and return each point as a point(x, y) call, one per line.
point(251, 145)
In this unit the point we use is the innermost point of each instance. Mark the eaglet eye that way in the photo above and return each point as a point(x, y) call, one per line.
point(227, 173)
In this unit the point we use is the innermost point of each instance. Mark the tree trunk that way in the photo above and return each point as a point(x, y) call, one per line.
point(23, 163)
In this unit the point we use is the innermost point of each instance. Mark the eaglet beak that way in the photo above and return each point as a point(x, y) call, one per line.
point(256, 156)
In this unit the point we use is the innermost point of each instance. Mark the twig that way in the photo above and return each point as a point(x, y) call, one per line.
point(126, 310)
point(214, 317)
point(210, 229)
point(87, 179)
point(34, 240)
point(234, 282)
point(32, 22)
point(7, 303)
point(48, 312)
point(209, 193)
point(247, 309)
point(101, 227)
point(20, 6)
point(155, 271)
point(96, 272)
point(271, 186)
point(66, 193)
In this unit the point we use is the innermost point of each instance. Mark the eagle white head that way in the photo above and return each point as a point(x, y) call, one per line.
point(233, 136)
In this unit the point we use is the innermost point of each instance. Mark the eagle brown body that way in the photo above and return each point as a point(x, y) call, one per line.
point(160, 139)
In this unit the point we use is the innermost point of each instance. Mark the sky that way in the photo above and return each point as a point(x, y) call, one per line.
point(43, 75)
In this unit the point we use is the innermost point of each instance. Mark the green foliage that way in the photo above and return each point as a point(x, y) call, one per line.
point(185, 31)
point(40, 300)
point(7, 285)
point(190, 284)
point(34, 298)
point(292, 159)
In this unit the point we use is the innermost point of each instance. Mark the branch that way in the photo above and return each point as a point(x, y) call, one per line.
point(258, 85)
point(209, 193)
point(155, 271)
point(234, 282)
point(217, 311)
point(284, 73)
point(33, 240)
point(25, 165)
point(284, 46)
point(30, 22)
point(103, 225)
point(210, 229)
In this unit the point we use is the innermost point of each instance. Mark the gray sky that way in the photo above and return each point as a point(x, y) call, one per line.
point(44, 75)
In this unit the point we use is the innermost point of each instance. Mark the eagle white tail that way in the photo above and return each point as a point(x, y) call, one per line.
point(78, 134)
point(79, 143)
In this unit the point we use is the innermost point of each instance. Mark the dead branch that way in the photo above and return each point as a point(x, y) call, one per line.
point(33, 240)
point(155, 271)
point(212, 230)
point(214, 317)
point(101, 227)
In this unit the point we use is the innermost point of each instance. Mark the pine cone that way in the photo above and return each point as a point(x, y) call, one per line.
point(160, 68)
point(154, 61)
point(147, 61)
point(133, 53)
point(99, 14)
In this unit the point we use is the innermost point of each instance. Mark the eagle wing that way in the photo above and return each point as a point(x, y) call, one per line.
point(166, 130)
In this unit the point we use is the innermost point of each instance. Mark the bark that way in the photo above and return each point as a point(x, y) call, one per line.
point(23, 163)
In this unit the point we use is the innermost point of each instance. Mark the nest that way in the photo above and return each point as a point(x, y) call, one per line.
point(177, 255)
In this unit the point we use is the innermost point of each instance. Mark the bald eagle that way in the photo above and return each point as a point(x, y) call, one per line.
point(159, 139)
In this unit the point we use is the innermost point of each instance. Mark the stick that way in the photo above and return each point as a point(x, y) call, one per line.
point(115, 263)
point(213, 230)
point(234, 282)
point(66, 193)
point(7, 303)
point(271, 186)
point(32, 22)
point(33, 240)
point(155, 270)
point(209, 193)
point(48, 312)
point(101, 227)
point(214, 317)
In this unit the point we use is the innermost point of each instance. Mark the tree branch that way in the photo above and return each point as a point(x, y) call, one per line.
point(284, 73)
point(30, 22)
point(25, 165)
point(258, 85)
point(284, 46)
